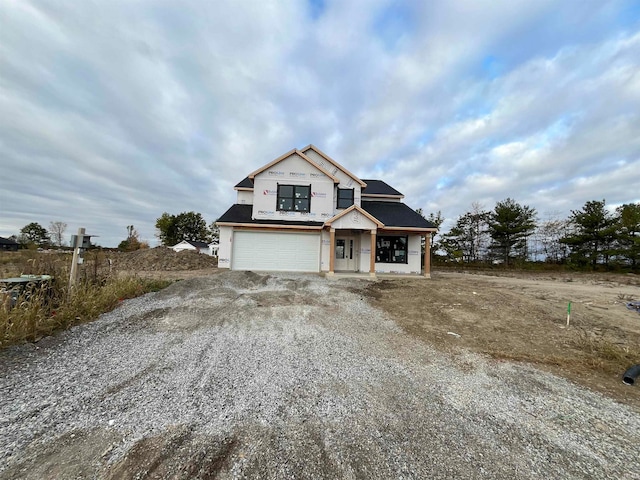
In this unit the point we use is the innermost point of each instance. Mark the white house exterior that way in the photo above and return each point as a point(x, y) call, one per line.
point(200, 247)
point(305, 212)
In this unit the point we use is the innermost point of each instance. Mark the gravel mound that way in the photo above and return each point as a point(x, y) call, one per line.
point(162, 259)
point(289, 376)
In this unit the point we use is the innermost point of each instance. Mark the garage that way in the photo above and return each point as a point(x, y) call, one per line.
point(276, 251)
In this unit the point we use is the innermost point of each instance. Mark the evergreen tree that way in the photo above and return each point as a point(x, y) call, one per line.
point(509, 225)
point(628, 232)
point(594, 231)
point(34, 234)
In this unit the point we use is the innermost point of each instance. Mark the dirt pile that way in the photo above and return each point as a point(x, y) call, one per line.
point(162, 259)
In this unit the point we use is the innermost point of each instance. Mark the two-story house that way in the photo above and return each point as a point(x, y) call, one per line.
point(305, 212)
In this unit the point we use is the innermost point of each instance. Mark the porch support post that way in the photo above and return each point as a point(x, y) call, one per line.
point(372, 257)
point(332, 250)
point(427, 255)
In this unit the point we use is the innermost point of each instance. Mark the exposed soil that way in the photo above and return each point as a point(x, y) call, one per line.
point(162, 259)
point(154, 262)
point(522, 316)
point(245, 375)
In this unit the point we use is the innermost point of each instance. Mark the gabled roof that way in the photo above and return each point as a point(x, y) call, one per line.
point(297, 152)
point(333, 162)
point(241, 213)
point(351, 209)
point(193, 243)
point(198, 244)
point(378, 187)
point(397, 214)
point(244, 184)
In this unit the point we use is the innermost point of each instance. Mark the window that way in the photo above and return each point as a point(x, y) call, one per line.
point(391, 249)
point(294, 198)
point(345, 197)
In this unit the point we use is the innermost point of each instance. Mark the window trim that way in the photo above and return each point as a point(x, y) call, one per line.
point(293, 198)
point(382, 250)
point(352, 190)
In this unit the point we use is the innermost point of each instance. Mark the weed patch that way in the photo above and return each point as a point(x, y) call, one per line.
point(49, 307)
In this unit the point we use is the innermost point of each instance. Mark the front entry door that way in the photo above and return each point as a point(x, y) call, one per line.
point(345, 254)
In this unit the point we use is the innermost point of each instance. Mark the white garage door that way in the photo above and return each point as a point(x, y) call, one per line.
point(276, 251)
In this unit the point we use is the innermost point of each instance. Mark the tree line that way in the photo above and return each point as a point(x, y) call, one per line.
point(511, 232)
point(171, 229)
point(35, 235)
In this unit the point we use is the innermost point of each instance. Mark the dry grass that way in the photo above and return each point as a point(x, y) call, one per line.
point(49, 307)
point(523, 319)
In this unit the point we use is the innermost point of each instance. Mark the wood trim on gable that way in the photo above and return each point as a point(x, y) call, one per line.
point(295, 151)
point(332, 162)
point(360, 210)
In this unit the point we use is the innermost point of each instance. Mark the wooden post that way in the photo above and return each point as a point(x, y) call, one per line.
point(73, 276)
point(332, 250)
point(427, 255)
point(372, 258)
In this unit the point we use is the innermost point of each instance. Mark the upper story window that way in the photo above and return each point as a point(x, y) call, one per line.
point(294, 198)
point(345, 197)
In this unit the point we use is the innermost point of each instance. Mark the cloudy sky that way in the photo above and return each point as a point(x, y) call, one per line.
point(112, 112)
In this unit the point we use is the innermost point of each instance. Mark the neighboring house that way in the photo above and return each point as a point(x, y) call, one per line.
point(213, 249)
point(200, 247)
point(6, 244)
point(305, 212)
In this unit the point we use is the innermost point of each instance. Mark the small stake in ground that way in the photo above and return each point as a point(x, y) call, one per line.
point(568, 313)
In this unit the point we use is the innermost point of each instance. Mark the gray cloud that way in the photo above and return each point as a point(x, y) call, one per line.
point(113, 112)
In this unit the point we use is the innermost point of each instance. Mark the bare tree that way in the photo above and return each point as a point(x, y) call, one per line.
point(468, 239)
point(548, 234)
point(57, 229)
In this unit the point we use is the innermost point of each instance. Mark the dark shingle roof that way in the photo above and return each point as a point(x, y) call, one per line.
point(396, 214)
point(240, 213)
point(378, 187)
point(198, 244)
point(245, 183)
point(7, 241)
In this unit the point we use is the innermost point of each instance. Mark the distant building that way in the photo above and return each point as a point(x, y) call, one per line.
point(200, 247)
point(6, 244)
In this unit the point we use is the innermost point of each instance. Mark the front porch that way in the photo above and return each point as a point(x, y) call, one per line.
point(375, 277)
point(368, 253)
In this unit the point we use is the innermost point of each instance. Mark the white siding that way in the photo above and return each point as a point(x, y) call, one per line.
point(224, 248)
point(365, 252)
point(325, 251)
point(292, 171)
point(245, 197)
point(345, 180)
point(355, 220)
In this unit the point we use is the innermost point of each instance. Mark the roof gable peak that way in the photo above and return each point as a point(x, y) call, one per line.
point(300, 154)
point(332, 162)
point(358, 209)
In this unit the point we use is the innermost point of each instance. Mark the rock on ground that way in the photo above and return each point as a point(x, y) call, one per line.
point(241, 375)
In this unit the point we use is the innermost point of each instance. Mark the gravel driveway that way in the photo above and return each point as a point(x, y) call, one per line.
point(289, 376)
